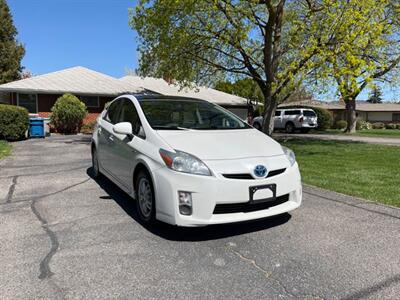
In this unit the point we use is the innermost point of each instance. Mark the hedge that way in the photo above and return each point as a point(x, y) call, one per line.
point(14, 122)
point(67, 114)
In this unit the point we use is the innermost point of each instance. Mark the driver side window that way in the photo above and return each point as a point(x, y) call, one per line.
point(113, 112)
point(129, 114)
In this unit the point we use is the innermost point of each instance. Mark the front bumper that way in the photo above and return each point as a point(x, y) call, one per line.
point(208, 191)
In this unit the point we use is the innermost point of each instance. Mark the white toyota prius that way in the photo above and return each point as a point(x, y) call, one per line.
point(189, 162)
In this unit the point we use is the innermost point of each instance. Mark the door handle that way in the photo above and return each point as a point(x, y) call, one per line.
point(111, 138)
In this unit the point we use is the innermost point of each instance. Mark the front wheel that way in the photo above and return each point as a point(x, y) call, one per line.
point(145, 200)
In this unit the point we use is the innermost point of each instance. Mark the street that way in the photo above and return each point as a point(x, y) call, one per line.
point(64, 235)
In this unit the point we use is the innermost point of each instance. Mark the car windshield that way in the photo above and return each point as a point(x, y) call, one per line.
point(171, 114)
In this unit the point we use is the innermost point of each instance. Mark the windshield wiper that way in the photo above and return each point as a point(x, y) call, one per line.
point(159, 127)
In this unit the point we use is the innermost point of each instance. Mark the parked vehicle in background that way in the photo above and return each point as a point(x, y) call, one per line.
point(189, 162)
point(291, 119)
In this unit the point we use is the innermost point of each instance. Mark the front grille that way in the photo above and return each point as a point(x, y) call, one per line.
point(238, 176)
point(248, 207)
point(275, 172)
point(248, 176)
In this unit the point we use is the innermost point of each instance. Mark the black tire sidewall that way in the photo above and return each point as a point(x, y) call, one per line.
point(289, 128)
point(151, 218)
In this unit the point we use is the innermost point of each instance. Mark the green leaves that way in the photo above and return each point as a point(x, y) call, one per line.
point(68, 113)
point(11, 52)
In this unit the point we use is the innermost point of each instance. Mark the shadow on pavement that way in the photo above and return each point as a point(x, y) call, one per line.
point(175, 233)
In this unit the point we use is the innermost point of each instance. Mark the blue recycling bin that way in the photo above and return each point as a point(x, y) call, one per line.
point(36, 127)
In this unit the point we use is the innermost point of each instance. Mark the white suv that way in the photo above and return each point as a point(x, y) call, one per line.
point(291, 119)
point(189, 162)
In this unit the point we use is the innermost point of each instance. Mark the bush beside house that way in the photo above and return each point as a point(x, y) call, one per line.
point(14, 122)
point(324, 118)
point(67, 114)
point(341, 124)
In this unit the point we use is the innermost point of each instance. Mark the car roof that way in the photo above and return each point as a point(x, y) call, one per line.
point(144, 97)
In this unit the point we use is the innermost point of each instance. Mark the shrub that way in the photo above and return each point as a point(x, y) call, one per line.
point(88, 128)
point(67, 114)
point(390, 126)
point(324, 118)
point(398, 126)
point(14, 122)
point(341, 124)
point(363, 125)
point(378, 125)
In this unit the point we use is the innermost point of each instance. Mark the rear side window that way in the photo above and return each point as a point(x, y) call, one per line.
point(292, 112)
point(113, 112)
point(278, 113)
point(129, 114)
point(308, 113)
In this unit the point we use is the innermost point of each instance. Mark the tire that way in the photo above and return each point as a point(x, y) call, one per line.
point(289, 127)
point(95, 164)
point(145, 201)
point(257, 126)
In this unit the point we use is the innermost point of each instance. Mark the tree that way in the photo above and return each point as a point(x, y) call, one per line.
point(365, 47)
point(246, 88)
point(375, 96)
point(272, 42)
point(11, 51)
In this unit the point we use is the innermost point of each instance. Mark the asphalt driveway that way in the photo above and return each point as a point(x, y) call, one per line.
point(64, 235)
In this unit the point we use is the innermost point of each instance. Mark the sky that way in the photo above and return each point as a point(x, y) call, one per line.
point(58, 34)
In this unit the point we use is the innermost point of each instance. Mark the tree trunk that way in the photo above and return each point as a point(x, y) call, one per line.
point(351, 115)
point(269, 113)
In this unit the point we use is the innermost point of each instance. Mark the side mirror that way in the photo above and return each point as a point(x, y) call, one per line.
point(123, 128)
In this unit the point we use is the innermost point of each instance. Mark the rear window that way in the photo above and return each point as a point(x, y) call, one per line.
point(277, 113)
point(292, 112)
point(309, 113)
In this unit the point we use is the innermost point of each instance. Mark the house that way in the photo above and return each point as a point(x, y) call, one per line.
point(370, 112)
point(39, 93)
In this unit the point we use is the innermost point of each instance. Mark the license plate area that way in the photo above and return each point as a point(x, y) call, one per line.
point(269, 189)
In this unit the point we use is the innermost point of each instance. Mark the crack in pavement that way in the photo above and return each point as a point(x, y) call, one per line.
point(268, 275)
point(44, 266)
point(11, 189)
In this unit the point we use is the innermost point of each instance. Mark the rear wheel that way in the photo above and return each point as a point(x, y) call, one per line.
point(145, 202)
point(289, 127)
point(95, 163)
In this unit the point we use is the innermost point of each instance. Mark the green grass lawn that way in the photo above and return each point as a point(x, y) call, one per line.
point(380, 132)
point(365, 170)
point(5, 149)
point(395, 133)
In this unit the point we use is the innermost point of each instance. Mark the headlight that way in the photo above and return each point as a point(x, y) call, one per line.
point(290, 155)
point(184, 162)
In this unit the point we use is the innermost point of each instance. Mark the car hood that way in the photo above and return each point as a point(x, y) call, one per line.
point(222, 144)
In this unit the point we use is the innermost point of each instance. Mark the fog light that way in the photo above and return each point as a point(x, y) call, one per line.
point(185, 203)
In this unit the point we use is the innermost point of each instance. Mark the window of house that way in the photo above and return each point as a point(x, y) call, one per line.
point(396, 117)
point(5, 98)
point(29, 101)
point(90, 101)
